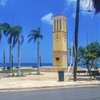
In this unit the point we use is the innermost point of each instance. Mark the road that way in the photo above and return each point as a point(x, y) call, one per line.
point(82, 93)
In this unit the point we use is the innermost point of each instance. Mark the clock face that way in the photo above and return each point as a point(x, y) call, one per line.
point(57, 36)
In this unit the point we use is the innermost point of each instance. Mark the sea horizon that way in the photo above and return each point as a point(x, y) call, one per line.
point(35, 64)
point(27, 64)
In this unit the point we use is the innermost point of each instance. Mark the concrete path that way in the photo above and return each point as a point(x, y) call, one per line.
point(45, 80)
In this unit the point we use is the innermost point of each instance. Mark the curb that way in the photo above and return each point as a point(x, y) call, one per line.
point(47, 87)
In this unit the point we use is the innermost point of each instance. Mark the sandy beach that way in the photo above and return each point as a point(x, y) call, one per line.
point(45, 80)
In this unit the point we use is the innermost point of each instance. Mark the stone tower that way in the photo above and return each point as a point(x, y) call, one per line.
point(59, 42)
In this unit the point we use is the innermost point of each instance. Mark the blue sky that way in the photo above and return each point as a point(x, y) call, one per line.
point(38, 13)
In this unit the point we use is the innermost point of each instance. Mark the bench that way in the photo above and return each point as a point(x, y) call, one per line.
point(81, 71)
point(95, 73)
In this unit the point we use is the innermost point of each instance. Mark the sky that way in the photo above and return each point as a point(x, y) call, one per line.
point(31, 14)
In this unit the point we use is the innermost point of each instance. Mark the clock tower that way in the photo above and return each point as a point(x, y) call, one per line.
point(59, 42)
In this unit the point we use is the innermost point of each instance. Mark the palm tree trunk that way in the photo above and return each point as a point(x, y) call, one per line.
point(11, 68)
point(76, 39)
point(18, 71)
point(4, 60)
point(38, 57)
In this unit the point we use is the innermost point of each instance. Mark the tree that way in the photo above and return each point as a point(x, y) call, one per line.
point(10, 37)
point(36, 35)
point(9, 31)
point(89, 55)
point(96, 4)
point(3, 29)
point(18, 37)
point(4, 60)
point(0, 31)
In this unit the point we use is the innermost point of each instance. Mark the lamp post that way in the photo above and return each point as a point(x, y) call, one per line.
point(76, 39)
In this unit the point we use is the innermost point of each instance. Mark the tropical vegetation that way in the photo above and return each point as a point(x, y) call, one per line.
point(36, 35)
point(18, 37)
point(96, 4)
point(89, 56)
point(13, 34)
point(0, 31)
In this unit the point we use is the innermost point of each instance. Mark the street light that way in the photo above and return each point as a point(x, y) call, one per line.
point(76, 37)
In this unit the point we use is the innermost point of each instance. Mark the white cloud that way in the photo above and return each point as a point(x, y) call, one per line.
point(3, 2)
point(47, 18)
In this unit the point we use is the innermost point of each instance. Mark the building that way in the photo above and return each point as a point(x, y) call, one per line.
point(60, 42)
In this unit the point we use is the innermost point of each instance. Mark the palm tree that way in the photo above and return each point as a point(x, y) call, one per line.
point(4, 60)
point(18, 37)
point(0, 31)
point(35, 35)
point(9, 31)
point(96, 4)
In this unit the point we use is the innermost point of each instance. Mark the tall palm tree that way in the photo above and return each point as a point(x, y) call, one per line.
point(9, 31)
point(0, 31)
point(18, 37)
point(96, 4)
point(36, 35)
point(4, 60)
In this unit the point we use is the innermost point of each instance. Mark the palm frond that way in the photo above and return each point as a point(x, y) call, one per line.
point(35, 38)
point(34, 31)
point(0, 31)
point(39, 30)
point(18, 29)
point(1, 28)
point(9, 39)
point(30, 35)
point(22, 39)
point(41, 36)
point(6, 28)
point(35, 34)
point(0, 35)
point(15, 32)
point(30, 39)
point(15, 39)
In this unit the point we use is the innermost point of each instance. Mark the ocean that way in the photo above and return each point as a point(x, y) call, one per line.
point(35, 64)
point(28, 64)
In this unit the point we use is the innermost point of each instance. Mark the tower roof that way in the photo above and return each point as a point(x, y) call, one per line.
point(59, 15)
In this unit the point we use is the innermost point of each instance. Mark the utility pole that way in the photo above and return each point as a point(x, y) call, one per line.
point(76, 39)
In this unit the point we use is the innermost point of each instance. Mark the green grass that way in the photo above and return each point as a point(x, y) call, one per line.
point(15, 70)
point(26, 70)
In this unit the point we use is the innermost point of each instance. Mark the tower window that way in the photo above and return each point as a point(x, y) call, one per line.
point(60, 25)
point(57, 58)
point(57, 25)
point(54, 26)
